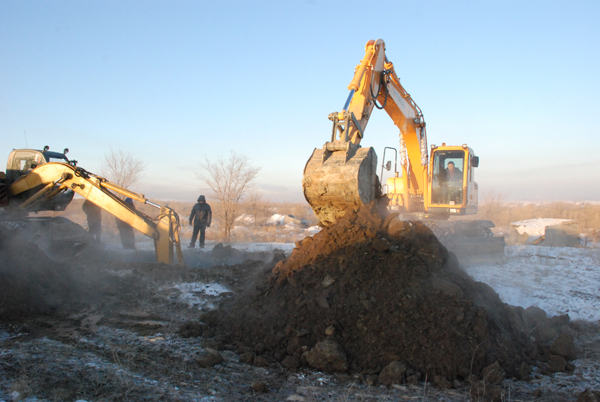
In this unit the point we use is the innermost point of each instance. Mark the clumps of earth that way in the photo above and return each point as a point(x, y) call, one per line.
point(380, 297)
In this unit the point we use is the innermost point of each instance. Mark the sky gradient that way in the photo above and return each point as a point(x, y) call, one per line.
point(177, 81)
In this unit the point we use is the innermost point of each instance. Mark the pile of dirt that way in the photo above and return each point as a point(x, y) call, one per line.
point(30, 282)
point(376, 295)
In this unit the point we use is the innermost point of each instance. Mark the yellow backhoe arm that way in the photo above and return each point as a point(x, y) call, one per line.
point(52, 178)
point(380, 83)
point(342, 174)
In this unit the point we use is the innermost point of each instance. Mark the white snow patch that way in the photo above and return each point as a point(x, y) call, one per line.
point(199, 295)
point(268, 246)
point(244, 219)
point(313, 229)
point(537, 227)
point(290, 226)
point(241, 229)
point(559, 280)
point(209, 289)
point(277, 220)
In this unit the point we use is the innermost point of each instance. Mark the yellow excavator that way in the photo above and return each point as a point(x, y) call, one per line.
point(47, 181)
point(430, 186)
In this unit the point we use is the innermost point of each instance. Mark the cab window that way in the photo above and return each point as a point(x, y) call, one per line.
point(23, 162)
point(447, 177)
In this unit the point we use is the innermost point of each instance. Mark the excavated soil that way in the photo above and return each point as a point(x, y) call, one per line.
point(385, 291)
point(375, 298)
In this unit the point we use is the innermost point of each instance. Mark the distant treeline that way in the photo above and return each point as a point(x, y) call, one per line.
point(502, 213)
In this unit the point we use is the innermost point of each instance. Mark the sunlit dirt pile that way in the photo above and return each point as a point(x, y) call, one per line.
point(30, 282)
point(370, 293)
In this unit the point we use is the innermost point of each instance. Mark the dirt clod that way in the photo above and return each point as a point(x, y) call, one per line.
point(261, 361)
point(556, 364)
point(393, 373)
point(260, 386)
point(209, 358)
point(493, 374)
point(290, 362)
point(327, 356)
point(564, 346)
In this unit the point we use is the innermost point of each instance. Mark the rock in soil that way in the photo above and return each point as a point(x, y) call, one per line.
point(393, 373)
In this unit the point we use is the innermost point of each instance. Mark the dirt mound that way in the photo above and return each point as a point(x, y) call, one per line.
point(370, 291)
point(30, 282)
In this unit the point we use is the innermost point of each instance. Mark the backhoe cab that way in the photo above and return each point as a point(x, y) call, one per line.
point(22, 161)
point(451, 189)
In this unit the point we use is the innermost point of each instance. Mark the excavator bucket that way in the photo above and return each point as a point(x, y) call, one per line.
point(336, 181)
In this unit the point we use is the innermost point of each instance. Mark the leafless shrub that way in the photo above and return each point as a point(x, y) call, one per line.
point(228, 179)
point(257, 207)
point(122, 168)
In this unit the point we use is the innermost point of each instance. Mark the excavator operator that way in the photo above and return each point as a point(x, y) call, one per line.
point(453, 174)
point(454, 179)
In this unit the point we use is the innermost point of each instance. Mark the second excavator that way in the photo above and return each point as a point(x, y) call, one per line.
point(38, 180)
point(429, 186)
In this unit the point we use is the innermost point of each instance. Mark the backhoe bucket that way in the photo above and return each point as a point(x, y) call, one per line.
point(334, 182)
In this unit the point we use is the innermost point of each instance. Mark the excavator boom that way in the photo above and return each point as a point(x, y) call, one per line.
point(430, 188)
point(342, 175)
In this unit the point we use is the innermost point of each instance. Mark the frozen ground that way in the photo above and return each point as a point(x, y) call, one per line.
point(133, 350)
point(559, 280)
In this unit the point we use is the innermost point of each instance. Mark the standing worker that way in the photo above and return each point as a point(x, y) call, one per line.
point(94, 218)
point(125, 230)
point(201, 216)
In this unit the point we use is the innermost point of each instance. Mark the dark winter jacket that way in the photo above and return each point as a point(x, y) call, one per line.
point(201, 214)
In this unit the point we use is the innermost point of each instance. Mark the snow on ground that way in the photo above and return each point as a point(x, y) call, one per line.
point(559, 280)
point(194, 294)
point(277, 219)
point(537, 227)
point(313, 229)
point(244, 219)
point(257, 247)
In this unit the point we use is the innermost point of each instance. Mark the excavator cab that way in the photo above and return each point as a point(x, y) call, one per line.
point(451, 184)
point(22, 161)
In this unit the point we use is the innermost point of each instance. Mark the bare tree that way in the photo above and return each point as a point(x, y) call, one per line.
point(257, 206)
point(122, 168)
point(228, 179)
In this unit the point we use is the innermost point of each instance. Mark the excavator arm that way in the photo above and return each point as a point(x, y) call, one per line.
point(343, 175)
point(50, 179)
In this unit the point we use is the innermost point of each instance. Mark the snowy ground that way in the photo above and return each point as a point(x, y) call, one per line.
point(559, 280)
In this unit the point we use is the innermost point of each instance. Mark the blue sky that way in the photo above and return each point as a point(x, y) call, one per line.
point(177, 81)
